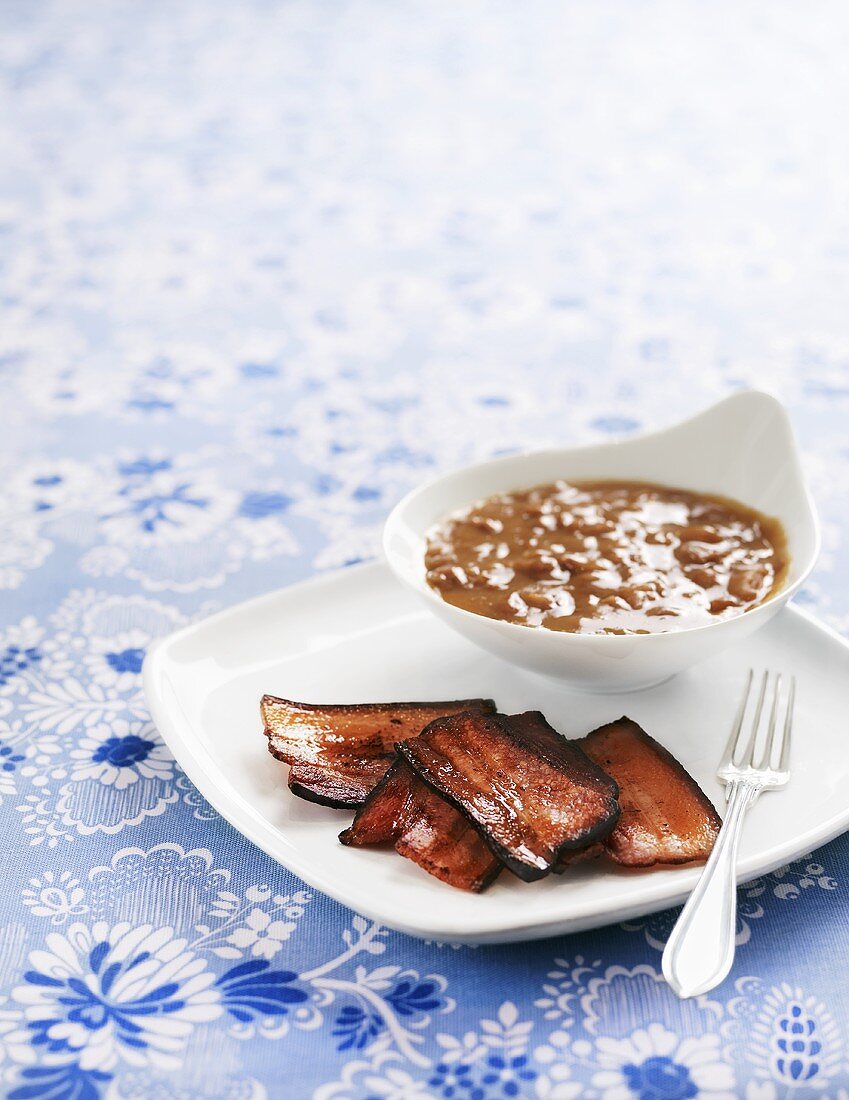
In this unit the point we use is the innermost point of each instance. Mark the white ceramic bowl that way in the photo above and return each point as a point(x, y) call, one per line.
point(742, 447)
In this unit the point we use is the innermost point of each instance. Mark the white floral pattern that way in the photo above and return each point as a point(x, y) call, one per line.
point(655, 1062)
point(122, 754)
point(117, 661)
point(262, 935)
point(126, 992)
point(252, 294)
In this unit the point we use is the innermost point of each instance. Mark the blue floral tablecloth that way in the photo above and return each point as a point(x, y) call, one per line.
point(263, 267)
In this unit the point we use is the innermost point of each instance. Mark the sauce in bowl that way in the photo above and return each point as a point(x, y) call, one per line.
point(607, 557)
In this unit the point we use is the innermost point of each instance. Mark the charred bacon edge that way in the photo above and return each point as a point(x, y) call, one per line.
point(398, 827)
point(348, 836)
point(667, 756)
point(684, 776)
point(521, 869)
point(313, 782)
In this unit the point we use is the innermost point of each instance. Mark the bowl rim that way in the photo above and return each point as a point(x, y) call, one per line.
point(565, 638)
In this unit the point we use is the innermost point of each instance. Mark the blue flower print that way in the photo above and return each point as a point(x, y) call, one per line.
point(142, 468)
point(366, 493)
point(495, 1076)
point(161, 502)
point(149, 403)
point(104, 993)
point(68, 1082)
point(660, 1078)
point(325, 484)
point(16, 659)
point(252, 989)
point(658, 1064)
point(355, 1028)
point(506, 1074)
point(115, 661)
point(796, 1047)
point(255, 371)
point(120, 755)
point(48, 481)
point(259, 505)
point(8, 758)
point(127, 660)
point(93, 1008)
point(456, 1080)
point(157, 509)
point(123, 752)
point(410, 997)
point(401, 455)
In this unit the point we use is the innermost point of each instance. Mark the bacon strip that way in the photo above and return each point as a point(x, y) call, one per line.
point(589, 854)
point(343, 785)
point(339, 752)
point(531, 793)
point(666, 817)
point(425, 828)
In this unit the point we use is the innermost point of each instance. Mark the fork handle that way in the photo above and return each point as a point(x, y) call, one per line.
point(700, 951)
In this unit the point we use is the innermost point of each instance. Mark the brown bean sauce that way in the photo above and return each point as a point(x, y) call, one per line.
point(606, 557)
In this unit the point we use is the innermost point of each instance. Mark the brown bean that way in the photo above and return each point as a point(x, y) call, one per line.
point(746, 584)
point(536, 565)
point(699, 533)
point(614, 599)
point(575, 563)
point(448, 577)
point(699, 553)
point(632, 596)
point(534, 598)
point(485, 523)
point(603, 552)
point(704, 578)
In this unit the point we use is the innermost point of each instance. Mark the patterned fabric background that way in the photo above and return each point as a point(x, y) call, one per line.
point(265, 266)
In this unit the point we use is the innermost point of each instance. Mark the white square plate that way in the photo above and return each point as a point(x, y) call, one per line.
point(358, 636)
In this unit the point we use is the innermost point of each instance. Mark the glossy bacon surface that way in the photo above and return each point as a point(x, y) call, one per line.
point(531, 793)
point(403, 811)
point(339, 752)
point(665, 816)
point(343, 785)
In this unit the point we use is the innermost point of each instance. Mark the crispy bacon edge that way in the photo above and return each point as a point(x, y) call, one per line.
point(531, 735)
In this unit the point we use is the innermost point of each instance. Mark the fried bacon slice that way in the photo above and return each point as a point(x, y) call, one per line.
point(425, 828)
point(590, 854)
point(665, 816)
point(531, 793)
point(339, 752)
point(344, 785)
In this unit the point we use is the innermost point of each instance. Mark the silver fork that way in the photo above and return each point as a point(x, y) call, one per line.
point(700, 951)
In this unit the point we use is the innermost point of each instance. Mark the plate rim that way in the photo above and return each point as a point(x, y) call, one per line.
point(177, 733)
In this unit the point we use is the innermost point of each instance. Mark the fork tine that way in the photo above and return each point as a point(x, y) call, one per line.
point(784, 762)
point(728, 755)
point(770, 740)
point(749, 750)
